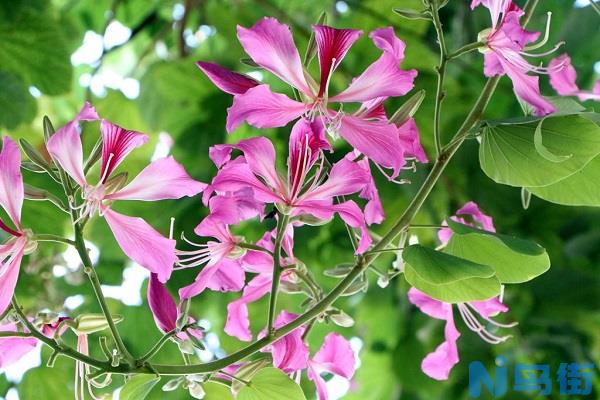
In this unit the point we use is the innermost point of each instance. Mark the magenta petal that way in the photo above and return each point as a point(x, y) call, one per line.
point(262, 108)
point(162, 305)
point(438, 364)
point(332, 46)
point(345, 177)
point(315, 376)
point(234, 177)
point(270, 44)
point(163, 179)
point(290, 353)
point(563, 75)
point(238, 324)
point(378, 140)
point(259, 153)
point(374, 209)
point(336, 356)
point(117, 143)
point(385, 39)
point(257, 262)
point(235, 207)
point(220, 154)
point(427, 305)
point(142, 243)
point(528, 89)
point(12, 349)
point(229, 277)
point(11, 180)
point(10, 265)
point(472, 209)
point(411, 142)
point(226, 80)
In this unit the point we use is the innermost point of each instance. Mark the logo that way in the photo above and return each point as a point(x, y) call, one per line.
point(567, 379)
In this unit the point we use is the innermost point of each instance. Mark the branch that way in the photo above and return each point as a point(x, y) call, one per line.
point(281, 227)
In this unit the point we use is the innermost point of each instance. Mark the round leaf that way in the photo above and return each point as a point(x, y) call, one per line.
point(138, 387)
point(271, 384)
point(217, 391)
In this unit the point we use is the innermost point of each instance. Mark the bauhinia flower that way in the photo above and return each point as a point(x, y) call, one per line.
point(505, 49)
point(563, 79)
point(163, 179)
point(270, 45)
point(291, 354)
point(476, 314)
point(11, 199)
point(294, 193)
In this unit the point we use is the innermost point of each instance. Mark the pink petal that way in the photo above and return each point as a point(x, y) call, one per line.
point(332, 46)
point(65, 145)
point(226, 80)
point(11, 181)
point(336, 356)
point(234, 177)
point(489, 308)
point(117, 143)
point(374, 209)
point(383, 78)
point(314, 375)
point(220, 154)
point(270, 44)
point(229, 277)
point(238, 324)
point(305, 144)
point(511, 27)
point(162, 305)
point(211, 227)
point(563, 79)
point(163, 179)
point(345, 177)
point(142, 243)
point(10, 265)
point(438, 364)
point(496, 7)
point(411, 142)
point(290, 353)
point(260, 156)
point(12, 349)
point(257, 262)
point(378, 140)
point(235, 207)
point(433, 308)
point(528, 89)
point(492, 65)
point(472, 210)
point(262, 108)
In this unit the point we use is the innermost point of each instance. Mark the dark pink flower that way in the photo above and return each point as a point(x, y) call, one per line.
point(563, 77)
point(505, 49)
point(270, 44)
point(164, 178)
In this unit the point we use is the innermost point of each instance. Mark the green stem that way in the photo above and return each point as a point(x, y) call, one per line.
point(43, 237)
point(251, 246)
point(441, 72)
point(464, 50)
point(156, 348)
point(281, 227)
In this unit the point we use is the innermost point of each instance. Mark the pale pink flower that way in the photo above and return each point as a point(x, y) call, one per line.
point(505, 49)
point(476, 314)
point(11, 199)
point(164, 178)
point(563, 79)
point(270, 44)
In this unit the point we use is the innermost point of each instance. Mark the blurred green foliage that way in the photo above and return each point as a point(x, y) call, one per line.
point(558, 312)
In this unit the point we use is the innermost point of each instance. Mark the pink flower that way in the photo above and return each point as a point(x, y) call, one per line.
point(270, 44)
point(293, 193)
point(164, 309)
point(162, 179)
point(504, 52)
point(439, 363)
point(12, 349)
point(291, 354)
point(11, 199)
point(563, 76)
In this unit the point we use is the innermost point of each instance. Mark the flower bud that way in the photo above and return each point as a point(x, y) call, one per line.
point(408, 109)
point(91, 323)
point(173, 384)
point(342, 319)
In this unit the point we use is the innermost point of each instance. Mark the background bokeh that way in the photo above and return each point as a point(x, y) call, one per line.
point(134, 60)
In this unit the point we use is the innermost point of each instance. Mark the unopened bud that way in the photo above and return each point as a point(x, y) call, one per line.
point(173, 384)
point(91, 323)
point(408, 109)
point(116, 182)
point(342, 319)
point(196, 390)
point(413, 14)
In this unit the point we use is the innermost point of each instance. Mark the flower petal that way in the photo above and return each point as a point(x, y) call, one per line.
point(378, 140)
point(332, 46)
point(438, 364)
point(11, 181)
point(374, 209)
point(234, 177)
point(427, 305)
point(65, 145)
point(489, 308)
point(290, 353)
point(142, 243)
point(383, 78)
point(262, 108)
point(336, 356)
point(162, 305)
point(226, 80)
point(411, 142)
point(346, 177)
point(238, 324)
point(163, 179)
point(259, 153)
point(313, 375)
point(270, 44)
point(235, 207)
point(10, 265)
point(12, 349)
point(117, 143)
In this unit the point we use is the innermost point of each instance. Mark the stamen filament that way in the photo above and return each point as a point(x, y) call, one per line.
point(546, 35)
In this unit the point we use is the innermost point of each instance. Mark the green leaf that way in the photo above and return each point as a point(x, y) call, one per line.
point(138, 387)
point(508, 152)
point(580, 189)
point(543, 150)
point(16, 104)
point(34, 46)
point(271, 384)
point(216, 391)
point(448, 278)
point(514, 260)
